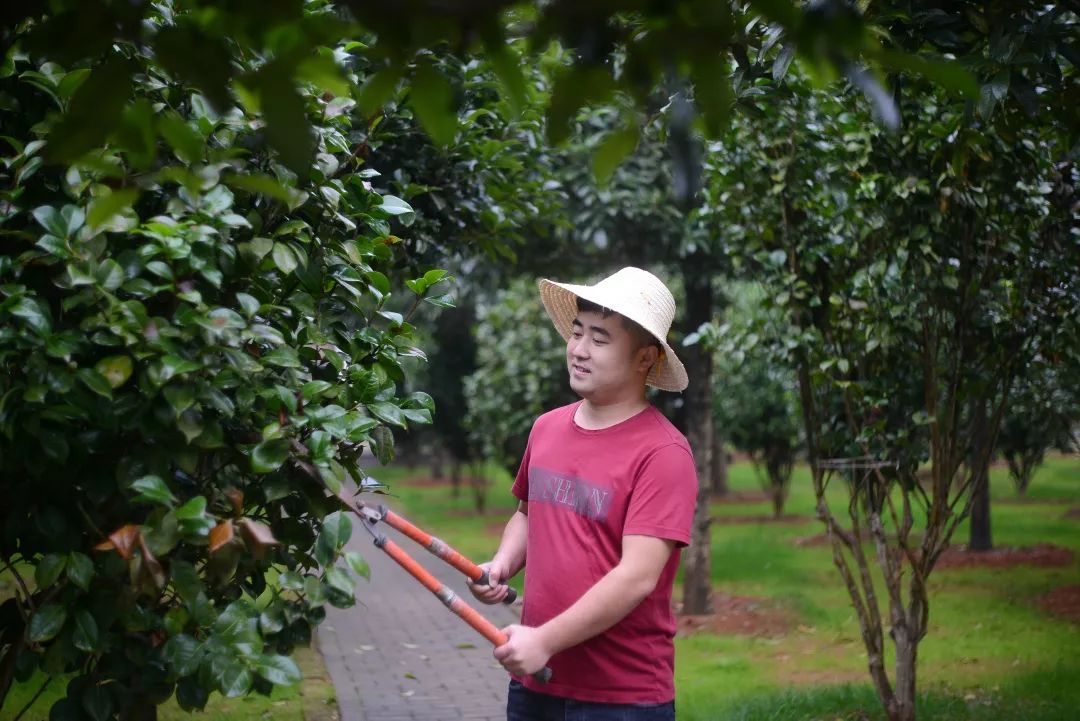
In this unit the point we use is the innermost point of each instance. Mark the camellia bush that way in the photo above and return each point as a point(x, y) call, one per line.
point(199, 339)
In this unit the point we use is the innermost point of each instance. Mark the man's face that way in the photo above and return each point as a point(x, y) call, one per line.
point(602, 359)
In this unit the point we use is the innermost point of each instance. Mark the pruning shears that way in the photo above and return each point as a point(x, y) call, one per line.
point(372, 515)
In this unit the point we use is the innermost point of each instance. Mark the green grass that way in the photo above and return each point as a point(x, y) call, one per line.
point(991, 654)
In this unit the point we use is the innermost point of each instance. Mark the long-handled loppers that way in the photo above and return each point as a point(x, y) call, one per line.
point(370, 516)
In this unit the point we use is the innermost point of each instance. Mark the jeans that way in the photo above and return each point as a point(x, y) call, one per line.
point(525, 705)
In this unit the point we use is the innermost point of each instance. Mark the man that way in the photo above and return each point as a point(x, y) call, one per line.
point(606, 494)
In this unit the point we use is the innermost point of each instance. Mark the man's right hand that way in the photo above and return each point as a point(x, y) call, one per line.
point(495, 592)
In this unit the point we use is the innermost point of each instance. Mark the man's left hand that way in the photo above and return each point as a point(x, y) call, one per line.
point(525, 652)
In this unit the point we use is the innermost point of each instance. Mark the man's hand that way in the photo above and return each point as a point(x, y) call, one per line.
point(525, 653)
point(495, 591)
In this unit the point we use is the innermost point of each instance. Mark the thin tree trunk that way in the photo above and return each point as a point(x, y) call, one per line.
point(981, 538)
point(697, 579)
point(903, 701)
point(719, 474)
point(455, 478)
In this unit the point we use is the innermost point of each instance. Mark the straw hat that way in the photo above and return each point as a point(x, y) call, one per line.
point(632, 292)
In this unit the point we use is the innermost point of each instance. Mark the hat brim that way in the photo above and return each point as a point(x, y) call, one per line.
point(560, 303)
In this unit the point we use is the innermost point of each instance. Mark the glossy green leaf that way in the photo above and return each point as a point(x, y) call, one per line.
point(152, 489)
point(46, 622)
point(80, 569)
point(269, 455)
point(280, 670)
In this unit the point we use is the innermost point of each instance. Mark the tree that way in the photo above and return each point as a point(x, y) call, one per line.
point(199, 341)
point(521, 374)
point(755, 397)
point(921, 272)
point(1040, 414)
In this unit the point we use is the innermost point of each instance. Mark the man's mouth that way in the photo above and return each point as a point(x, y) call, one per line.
point(580, 369)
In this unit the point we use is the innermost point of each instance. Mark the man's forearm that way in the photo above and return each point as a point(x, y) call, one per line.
point(511, 553)
point(611, 598)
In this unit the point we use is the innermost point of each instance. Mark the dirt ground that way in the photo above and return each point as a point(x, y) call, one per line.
point(786, 519)
point(1073, 513)
point(1063, 602)
point(1042, 555)
point(736, 615)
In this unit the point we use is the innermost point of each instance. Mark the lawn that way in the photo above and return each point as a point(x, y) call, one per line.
point(991, 653)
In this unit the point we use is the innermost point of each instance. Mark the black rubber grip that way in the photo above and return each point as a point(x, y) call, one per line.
point(543, 675)
point(511, 595)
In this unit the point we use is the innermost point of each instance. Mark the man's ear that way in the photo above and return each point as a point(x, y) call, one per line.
point(647, 357)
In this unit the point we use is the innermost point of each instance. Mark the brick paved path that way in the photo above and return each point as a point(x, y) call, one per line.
point(400, 655)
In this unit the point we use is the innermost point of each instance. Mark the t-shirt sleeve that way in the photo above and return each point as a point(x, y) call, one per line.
point(665, 493)
point(521, 480)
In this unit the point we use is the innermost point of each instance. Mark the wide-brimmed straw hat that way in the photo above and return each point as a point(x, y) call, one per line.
point(631, 292)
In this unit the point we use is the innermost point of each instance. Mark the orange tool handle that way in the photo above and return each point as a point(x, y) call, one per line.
point(452, 601)
point(441, 549)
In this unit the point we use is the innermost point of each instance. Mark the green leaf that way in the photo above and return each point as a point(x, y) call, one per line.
point(50, 219)
point(47, 622)
point(432, 98)
point(949, 74)
point(109, 274)
point(198, 58)
point(116, 369)
point(86, 636)
point(280, 670)
point(249, 303)
point(507, 66)
point(97, 702)
point(80, 569)
point(94, 111)
point(184, 654)
point(283, 357)
point(183, 139)
point(232, 679)
point(284, 258)
point(378, 89)
point(357, 563)
point(336, 530)
point(324, 73)
point(393, 205)
point(272, 620)
point(269, 455)
point(573, 88)
point(49, 569)
point(95, 382)
point(387, 412)
point(287, 127)
point(34, 312)
point(153, 490)
point(107, 206)
point(611, 151)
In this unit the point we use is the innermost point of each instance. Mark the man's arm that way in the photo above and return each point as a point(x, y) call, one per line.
point(508, 560)
point(601, 607)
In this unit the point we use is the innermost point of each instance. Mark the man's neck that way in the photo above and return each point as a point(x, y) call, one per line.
point(594, 416)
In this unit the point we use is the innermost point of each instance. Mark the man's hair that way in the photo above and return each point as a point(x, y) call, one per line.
point(641, 337)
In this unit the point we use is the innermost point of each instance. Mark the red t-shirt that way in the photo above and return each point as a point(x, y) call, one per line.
point(586, 490)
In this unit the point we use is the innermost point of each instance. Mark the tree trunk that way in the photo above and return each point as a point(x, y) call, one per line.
point(719, 473)
point(455, 479)
point(980, 538)
point(902, 703)
point(697, 579)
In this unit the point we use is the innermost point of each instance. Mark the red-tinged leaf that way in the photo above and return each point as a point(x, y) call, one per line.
point(151, 569)
point(236, 498)
point(258, 537)
point(221, 534)
point(122, 540)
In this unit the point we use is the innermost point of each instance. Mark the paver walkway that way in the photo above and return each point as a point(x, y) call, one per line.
point(400, 655)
